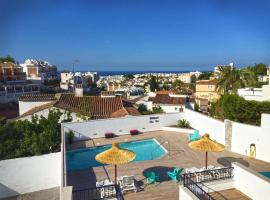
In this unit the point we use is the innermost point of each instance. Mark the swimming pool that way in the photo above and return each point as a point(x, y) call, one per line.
point(267, 174)
point(85, 158)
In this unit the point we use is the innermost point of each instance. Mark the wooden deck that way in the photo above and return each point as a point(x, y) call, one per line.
point(179, 155)
point(231, 194)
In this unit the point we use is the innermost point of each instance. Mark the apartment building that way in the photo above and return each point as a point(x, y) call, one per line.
point(206, 89)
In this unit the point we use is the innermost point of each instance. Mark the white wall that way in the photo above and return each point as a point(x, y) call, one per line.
point(25, 106)
point(45, 113)
point(243, 135)
point(29, 174)
point(171, 108)
point(206, 124)
point(186, 194)
point(254, 185)
point(122, 126)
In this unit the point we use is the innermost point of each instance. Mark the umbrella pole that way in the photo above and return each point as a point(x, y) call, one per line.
point(206, 155)
point(115, 174)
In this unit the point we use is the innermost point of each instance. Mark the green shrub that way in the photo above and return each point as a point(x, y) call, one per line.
point(236, 108)
point(157, 110)
point(183, 124)
point(3, 120)
point(70, 136)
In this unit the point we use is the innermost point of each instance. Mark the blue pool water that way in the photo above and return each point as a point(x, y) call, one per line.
point(267, 174)
point(85, 158)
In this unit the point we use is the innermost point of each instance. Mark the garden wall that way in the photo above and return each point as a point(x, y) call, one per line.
point(29, 174)
point(122, 126)
point(206, 124)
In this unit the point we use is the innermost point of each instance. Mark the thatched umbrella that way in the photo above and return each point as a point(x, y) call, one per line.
point(207, 145)
point(116, 156)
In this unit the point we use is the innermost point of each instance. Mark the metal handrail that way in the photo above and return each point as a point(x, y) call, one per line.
point(108, 191)
point(196, 189)
point(192, 181)
point(211, 174)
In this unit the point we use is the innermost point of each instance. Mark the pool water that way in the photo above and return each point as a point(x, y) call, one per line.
point(85, 158)
point(267, 174)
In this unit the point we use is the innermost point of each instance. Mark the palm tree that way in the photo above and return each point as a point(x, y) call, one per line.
point(230, 79)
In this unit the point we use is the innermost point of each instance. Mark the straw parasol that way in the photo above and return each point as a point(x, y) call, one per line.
point(207, 145)
point(116, 156)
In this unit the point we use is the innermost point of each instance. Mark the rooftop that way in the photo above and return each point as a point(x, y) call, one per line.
point(166, 99)
point(95, 106)
point(179, 155)
point(207, 82)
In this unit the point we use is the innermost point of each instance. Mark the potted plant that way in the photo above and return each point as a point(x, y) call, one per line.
point(183, 124)
point(109, 135)
point(134, 132)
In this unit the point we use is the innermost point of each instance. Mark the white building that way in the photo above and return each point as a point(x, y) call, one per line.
point(168, 101)
point(37, 70)
point(70, 79)
point(257, 94)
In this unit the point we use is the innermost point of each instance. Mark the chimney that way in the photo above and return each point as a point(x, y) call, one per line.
point(78, 90)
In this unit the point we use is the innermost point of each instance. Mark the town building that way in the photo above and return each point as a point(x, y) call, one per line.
point(78, 106)
point(11, 72)
point(69, 80)
point(257, 94)
point(206, 89)
point(185, 77)
point(13, 83)
point(168, 101)
point(37, 70)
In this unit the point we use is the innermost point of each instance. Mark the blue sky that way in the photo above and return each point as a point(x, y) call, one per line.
point(135, 34)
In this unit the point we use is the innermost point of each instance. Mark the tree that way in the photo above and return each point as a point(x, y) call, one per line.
point(129, 76)
point(258, 69)
point(27, 138)
point(236, 108)
point(7, 59)
point(230, 79)
point(142, 108)
point(153, 82)
point(193, 79)
point(178, 85)
point(205, 76)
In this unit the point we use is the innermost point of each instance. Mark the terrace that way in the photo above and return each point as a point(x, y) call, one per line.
point(179, 155)
point(242, 182)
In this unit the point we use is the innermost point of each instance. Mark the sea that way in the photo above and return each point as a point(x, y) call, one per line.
point(111, 73)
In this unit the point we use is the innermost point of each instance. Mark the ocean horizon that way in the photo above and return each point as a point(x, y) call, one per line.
point(121, 72)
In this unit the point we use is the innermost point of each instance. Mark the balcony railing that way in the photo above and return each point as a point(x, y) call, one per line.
point(104, 192)
point(211, 175)
point(194, 181)
point(196, 189)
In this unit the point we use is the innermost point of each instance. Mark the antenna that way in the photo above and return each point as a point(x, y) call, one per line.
point(73, 64)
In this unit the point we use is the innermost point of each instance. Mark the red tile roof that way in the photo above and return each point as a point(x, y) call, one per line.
point(37, 97)
point(166, 99)
point(96, 107)
point(207, 82)
point(165, 92)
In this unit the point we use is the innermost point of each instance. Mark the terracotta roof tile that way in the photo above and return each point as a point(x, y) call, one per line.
point(96, 107)
point(207, 82)
point(165, 92)
point(38, 97)
point(166, 99)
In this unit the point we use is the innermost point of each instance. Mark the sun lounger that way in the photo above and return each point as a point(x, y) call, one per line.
point(127, 183)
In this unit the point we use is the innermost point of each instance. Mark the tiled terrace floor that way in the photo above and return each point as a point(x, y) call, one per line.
point(180, 155)
point(233, 194)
